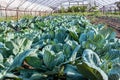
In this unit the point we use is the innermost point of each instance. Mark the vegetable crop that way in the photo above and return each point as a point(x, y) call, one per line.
point(58, 48)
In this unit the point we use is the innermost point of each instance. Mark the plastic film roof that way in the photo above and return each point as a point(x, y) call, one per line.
point(49, 5)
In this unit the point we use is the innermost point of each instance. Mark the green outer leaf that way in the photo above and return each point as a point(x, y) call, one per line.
point(1, 58)
point(114, 73)
point(74, 54)
point(61, 35)
point(8, 61)
point(83, 37)
point(91, 71)
point(27, 44)
point(57, 47)
point(72, 72)
point(2, 45)
point(11, 75)
point(20, 57)
point(34, 61)
point(27, 73)
point(38, 76)
point(112, 35)
point(67, 50)
point(91, 57)
point(112, 54)
point(90, 35)
point(49, 58)
point(74, 35)
point(2, 74)
point(59, 58)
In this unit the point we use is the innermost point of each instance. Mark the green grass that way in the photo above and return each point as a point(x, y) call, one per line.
point(4, 19)
point(97, 13)
point(15, 18)
point(92, 14)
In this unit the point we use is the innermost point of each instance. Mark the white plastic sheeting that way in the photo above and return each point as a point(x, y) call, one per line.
point(24, 4)
point(101, 3)
point(47, 5)
point(10, 7)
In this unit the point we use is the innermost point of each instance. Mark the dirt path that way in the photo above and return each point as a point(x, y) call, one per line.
point(111, 23)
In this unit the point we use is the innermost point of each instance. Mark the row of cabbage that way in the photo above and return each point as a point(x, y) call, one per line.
point(58, 48)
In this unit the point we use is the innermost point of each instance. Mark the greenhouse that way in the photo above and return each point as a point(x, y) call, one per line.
point(59, 39)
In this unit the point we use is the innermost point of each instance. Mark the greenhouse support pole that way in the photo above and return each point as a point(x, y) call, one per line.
point(115, 10)
point(22, 3)
point(103, 9)
point(24, 12)
point(39, 13)
point(31, 4)
point(6, 14)
point(17, 13)
point(0, 11)
point(119, 12)
point(110, 10)
point(51, 12)
point(78, 3)
point(46, 13)
point(31, 13)
point(69, 2)
point(9, 3)
point(35, 13)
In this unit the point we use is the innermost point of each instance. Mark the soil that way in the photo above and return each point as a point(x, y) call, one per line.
point(115, 24)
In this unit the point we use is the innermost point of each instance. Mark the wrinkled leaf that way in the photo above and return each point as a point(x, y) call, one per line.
point(91, 71)
point(91, 57)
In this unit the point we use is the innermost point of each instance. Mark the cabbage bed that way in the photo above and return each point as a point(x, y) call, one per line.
point(58, 48)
